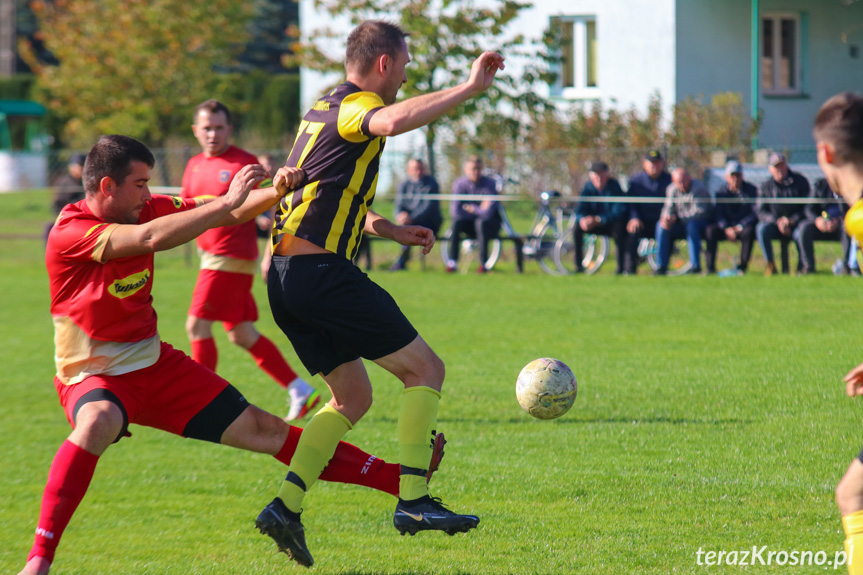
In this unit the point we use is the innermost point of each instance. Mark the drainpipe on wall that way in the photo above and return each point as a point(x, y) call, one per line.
point(756, 40)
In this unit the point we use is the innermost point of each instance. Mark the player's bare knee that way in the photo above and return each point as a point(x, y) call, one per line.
point(355, 407)
point(438, 371)
point(97, 425)
point(430, 374)
point(244, 335)
point(849, 492)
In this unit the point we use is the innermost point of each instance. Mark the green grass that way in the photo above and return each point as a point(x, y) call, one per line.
point(710, 414)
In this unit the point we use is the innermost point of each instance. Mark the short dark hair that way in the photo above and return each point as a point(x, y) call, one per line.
point(839, 122)
point(369, 41)
point(213, 107)
point(112, 157)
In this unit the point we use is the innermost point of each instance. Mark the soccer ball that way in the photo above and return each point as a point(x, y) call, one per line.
point(546, 388)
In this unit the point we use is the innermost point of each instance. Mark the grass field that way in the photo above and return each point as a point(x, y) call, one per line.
point(710, 415)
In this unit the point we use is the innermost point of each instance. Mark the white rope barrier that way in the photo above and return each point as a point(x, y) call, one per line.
point(175, 191)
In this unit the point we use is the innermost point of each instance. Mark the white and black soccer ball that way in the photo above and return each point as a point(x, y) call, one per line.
point(546, 388)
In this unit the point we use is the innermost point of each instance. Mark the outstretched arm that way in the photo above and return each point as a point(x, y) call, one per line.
point(421, 110)
point(176, 229)
point(262, 199)
point(378, 225)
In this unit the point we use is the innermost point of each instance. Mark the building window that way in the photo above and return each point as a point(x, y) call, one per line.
point(780, 54)
point(578, 50)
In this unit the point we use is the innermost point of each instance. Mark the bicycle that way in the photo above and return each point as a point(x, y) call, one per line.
point(594, 250)
point(545, 231)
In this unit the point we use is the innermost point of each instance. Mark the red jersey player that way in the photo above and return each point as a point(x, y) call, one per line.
point(112, 368)
point(228, 263)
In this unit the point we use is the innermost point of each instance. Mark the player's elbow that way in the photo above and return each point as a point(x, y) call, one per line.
point(386, 126)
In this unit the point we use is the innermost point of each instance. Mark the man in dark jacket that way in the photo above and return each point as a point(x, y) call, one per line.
point(68, 189)
point(734, 217)
point(599, 217)
point(823, 223)
point(779, 221)
point(415, 207)
point(651, 182)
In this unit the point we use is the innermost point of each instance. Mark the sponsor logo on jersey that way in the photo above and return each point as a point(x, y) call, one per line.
point(129, 285)
point(321, 106)
point(225, 176)
point(178, 203)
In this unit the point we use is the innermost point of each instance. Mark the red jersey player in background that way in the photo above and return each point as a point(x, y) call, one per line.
point(229, 258)
point(113, 369)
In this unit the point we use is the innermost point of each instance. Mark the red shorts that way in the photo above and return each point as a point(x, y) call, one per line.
point(225, 297)
point(166, 395)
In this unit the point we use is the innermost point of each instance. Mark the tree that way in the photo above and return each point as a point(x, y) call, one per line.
point(271, 39)
point(445, 38)
point(136, 68)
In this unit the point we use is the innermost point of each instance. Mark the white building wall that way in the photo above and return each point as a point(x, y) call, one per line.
point(834, 28)
point(714, 47)
point(636, 46)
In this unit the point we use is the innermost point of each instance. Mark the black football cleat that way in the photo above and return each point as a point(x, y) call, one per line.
point(428, 513)
point(285, 528)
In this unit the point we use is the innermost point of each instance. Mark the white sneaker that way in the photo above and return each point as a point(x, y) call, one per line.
point(303, 397)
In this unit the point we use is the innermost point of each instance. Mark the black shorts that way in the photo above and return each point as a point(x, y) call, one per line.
point(333, 313)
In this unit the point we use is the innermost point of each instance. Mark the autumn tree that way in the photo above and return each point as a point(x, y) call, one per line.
point(446, 36)
point(135, 68)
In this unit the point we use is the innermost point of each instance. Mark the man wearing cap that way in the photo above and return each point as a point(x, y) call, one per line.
point(823, 223)
point(651, 182)
point(778, 220)
point(733, 218)
point(600, 217)
point(685, 213)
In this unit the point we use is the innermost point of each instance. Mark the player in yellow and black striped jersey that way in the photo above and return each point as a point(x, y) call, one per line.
point(340, 158)
point(838, 135)
point(331, 311)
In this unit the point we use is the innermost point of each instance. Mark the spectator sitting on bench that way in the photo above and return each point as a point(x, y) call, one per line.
point(686, 211)
point(600, 218)
point(824, 222)
point(734, 217)
point(415, 207)
point(473, 218)
point(651, 182)
point(779, 221)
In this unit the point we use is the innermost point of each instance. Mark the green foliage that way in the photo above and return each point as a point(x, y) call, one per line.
point(723, 124)
point(445, 38)
point(269, 44)
point(17, 87)
point(265, 107)
point(562, 142)
point(140, 72)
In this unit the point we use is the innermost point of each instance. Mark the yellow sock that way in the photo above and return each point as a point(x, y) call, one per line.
point(315, 448)
point(417, 420)
point(853, 525)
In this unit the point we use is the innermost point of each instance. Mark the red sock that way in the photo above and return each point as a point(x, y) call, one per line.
point(68, 480)
point(204, 352)
point(349, 464)
point(269, 358)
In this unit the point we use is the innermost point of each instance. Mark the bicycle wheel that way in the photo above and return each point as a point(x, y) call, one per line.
point(540, 247)
point(594, 253)
point(468, 252)
point(678, 262)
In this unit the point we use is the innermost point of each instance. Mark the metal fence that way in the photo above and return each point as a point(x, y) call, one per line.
point(527, 174)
